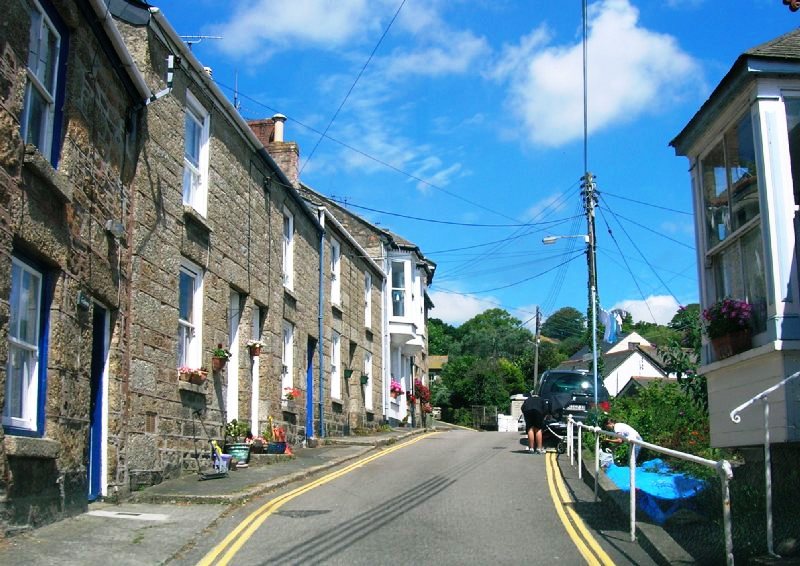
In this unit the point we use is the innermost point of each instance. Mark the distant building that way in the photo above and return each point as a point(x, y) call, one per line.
point(632, 356)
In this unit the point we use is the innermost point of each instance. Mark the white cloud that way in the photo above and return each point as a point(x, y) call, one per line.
point(454, 56)
point(552, 203)
point(631, 70)
point(456, 309)
point(661, 307)
point(260, 26)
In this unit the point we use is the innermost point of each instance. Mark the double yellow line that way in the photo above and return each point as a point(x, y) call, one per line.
point(576, 529)
point(231, 544)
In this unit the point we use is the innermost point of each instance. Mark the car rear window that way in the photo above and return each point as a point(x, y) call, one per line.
point(569, 382)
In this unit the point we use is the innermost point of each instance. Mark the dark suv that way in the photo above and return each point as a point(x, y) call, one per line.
point(571, 392)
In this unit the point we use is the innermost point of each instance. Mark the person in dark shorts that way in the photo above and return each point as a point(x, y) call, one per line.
point(534, 410)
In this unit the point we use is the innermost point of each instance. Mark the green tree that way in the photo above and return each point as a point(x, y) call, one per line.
point(687, 322)
point(494, 333)
point(566, 322)
point(442, 338)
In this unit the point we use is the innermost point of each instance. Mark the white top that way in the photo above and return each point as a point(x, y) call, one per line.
point(627, 431)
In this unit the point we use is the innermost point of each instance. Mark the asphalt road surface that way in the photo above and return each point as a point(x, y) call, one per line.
point(454, 497)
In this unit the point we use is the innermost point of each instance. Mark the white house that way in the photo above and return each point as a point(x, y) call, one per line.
point(632, 357)
point(743, 147)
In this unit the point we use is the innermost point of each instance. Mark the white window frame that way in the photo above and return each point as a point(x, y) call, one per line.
point(287, 357)
point(190, 332)
point(368, 386)
point(336, 365)
point(367, 300)
point(18, 347)
point(195, 175)
point(336, 272)
point(37, 72)
point(288, 249)
point(404, 289)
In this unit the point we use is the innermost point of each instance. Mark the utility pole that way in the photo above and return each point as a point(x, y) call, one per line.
point(590, 201)
point(536, 350)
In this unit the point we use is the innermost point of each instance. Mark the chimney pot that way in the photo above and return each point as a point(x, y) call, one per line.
point(278, 120)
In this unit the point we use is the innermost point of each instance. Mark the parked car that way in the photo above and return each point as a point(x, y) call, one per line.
point(568, 392)
point(521, 424)
point(571, 392)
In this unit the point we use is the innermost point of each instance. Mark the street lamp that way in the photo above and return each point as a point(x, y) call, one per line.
point(547, 240)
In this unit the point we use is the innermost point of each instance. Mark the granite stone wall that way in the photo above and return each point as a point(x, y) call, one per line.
point(54, 218)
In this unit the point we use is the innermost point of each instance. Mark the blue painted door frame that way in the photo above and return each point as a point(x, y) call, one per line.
point(99, 351)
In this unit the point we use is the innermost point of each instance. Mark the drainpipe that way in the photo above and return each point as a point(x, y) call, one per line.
point(320, 344)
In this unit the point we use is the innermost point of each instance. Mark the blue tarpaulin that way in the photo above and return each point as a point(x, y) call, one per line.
point(660, 492)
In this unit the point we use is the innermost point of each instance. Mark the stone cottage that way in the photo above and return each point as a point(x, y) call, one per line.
point(224, 252)
point(71, 113)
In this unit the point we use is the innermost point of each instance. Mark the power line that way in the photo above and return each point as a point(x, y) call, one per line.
point(606, 193)
point(347, 203)
point(355, 82)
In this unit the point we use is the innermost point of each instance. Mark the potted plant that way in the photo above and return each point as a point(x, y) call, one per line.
point(727, 325)
point(255, 347)
point(395, 389)
point(197, 376)
point(237, 446)
point(219, 357)
point(291, 393)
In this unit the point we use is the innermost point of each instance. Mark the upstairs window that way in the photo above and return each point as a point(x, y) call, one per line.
point(190, 309)
point(26, 364)
point(368, 300)
point(734, 248)
point(288, 249)
point(336, 269)
point(45, 81)
point(195, 155)
point(398, 288)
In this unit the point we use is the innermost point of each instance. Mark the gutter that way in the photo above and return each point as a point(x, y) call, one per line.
point(107, 22)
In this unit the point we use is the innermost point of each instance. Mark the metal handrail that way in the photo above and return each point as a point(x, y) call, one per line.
point(723, 468)
point(735, 417)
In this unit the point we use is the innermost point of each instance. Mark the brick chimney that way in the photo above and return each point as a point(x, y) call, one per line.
point(269, 132)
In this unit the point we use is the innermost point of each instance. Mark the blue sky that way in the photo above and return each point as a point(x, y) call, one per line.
point(460, 127)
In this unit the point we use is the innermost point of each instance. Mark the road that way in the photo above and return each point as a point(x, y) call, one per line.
point(455, 497)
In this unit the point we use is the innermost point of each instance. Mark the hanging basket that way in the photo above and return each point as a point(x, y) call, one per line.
point(218, 363)
point(731, 344)
point(255, 351)
point(364, 379)
point(348, 373)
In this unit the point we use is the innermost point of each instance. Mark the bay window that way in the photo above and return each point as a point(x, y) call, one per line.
point(734, 248)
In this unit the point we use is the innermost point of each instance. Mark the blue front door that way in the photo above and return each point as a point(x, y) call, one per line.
point(96, 408)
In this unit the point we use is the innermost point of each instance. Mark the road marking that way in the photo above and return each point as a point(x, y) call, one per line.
point(587, 545)
point(232, 543)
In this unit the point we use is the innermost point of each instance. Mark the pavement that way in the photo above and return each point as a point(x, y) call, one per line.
point(164, 523)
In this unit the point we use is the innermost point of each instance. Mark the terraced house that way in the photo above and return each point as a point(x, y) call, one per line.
point(145, 224)
point(71, 115)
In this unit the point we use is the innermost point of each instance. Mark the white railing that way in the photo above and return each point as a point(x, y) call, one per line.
point(723, 468)
point(735, 417)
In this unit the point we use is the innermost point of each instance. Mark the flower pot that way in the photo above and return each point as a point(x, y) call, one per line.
point(393, 394)
point(731, 344)
point(255, 351)
point(364, 379)
point(348, 373)
point(185, 376)
point(276, 447)
point(238, 450)
point(198, 377)
point(218, 363)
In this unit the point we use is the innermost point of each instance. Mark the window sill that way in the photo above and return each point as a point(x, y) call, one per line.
point(25, 447)
point(186, 386)
point(289, 293)
point(41, 167)
point(190, 214)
